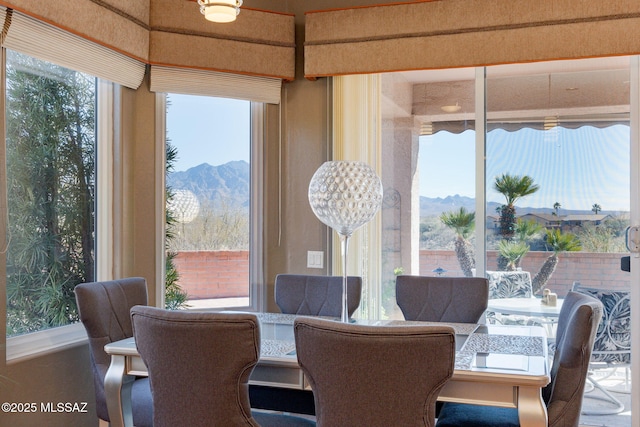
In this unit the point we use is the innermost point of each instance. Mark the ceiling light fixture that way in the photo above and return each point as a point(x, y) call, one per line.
point(451, 108)
point(220, 10)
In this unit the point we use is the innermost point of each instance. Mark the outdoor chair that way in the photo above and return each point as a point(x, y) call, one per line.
point(612, 347)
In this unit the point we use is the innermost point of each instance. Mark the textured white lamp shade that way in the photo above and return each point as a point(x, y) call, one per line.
point(220, 10)
point(345, 195)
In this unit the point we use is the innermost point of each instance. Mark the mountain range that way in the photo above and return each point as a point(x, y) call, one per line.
point(223, 185)
point(228, 184)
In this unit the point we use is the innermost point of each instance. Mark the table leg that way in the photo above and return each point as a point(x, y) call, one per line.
point(117, 390)
point(532, 411)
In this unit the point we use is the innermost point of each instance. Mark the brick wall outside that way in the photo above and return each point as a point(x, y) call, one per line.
point(590, 269)
point(222, 274)
point(213, 274)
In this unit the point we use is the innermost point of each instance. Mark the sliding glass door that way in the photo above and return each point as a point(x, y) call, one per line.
point(527, 172)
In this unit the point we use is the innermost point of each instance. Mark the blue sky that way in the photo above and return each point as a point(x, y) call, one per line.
point(208, 130)
point(574, 167)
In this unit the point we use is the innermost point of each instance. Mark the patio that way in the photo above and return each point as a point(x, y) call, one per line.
point(617, 386)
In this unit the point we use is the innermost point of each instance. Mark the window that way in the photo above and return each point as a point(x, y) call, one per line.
point(51, 177)
point(209, 152)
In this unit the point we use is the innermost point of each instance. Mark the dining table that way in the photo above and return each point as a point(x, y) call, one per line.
point(496, 365)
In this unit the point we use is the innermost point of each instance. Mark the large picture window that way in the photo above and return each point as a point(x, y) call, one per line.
point(50, 160)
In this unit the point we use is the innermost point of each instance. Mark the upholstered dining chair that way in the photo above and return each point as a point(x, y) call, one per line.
point(104, 312)
point(374, 376)
point(577, 325)
point(442, 299)
point(199, 366)
point(316, 295)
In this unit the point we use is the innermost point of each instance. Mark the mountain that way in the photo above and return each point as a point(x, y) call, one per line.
point(434, 206)
point(227, 183)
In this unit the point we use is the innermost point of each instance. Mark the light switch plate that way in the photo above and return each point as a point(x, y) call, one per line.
point(315, 259)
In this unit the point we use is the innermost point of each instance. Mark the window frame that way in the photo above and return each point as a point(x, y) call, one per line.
point(256, 212)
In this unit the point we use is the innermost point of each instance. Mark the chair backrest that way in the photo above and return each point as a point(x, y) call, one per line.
point(316, 295)
point(199, 365)
point(374, 375)
point(613, 339)
point(442, 299)
point(510, 284)
point(577, 325)
point(104, 311)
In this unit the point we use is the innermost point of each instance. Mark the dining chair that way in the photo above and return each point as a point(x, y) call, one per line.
point(316, 295)
point(612, 346)
point(199, 365)
point(577, 325)
point(442, 299)
point(103, 308)
point(365, 375)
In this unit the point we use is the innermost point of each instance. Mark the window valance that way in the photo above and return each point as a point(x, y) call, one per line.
point(463, 33)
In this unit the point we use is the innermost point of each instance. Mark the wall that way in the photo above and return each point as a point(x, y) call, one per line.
point(591, 269)
point(63, 376)
point(221, 274)
point(213, 274)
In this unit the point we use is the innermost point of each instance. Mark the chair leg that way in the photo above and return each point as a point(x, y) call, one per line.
point(608, 397)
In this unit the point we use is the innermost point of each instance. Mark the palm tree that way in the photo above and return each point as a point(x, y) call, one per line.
point(463, 224)
point(526, 231)
point(596, 208)
point(512, 252)
point(513, 187)
point(558, 242)
point(556, 208)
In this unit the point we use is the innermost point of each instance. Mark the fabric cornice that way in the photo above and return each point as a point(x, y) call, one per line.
point(122, 25)
point(257, 43)
point(466, 33)
point(175, 34)
point(38, 39)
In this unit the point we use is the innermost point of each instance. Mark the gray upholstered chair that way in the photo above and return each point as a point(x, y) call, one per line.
point(199, 366)
point(577, 325)
point(363, 375)
point(612, 346)
point(316, 295)
point(442, 299)
point(104, 312)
